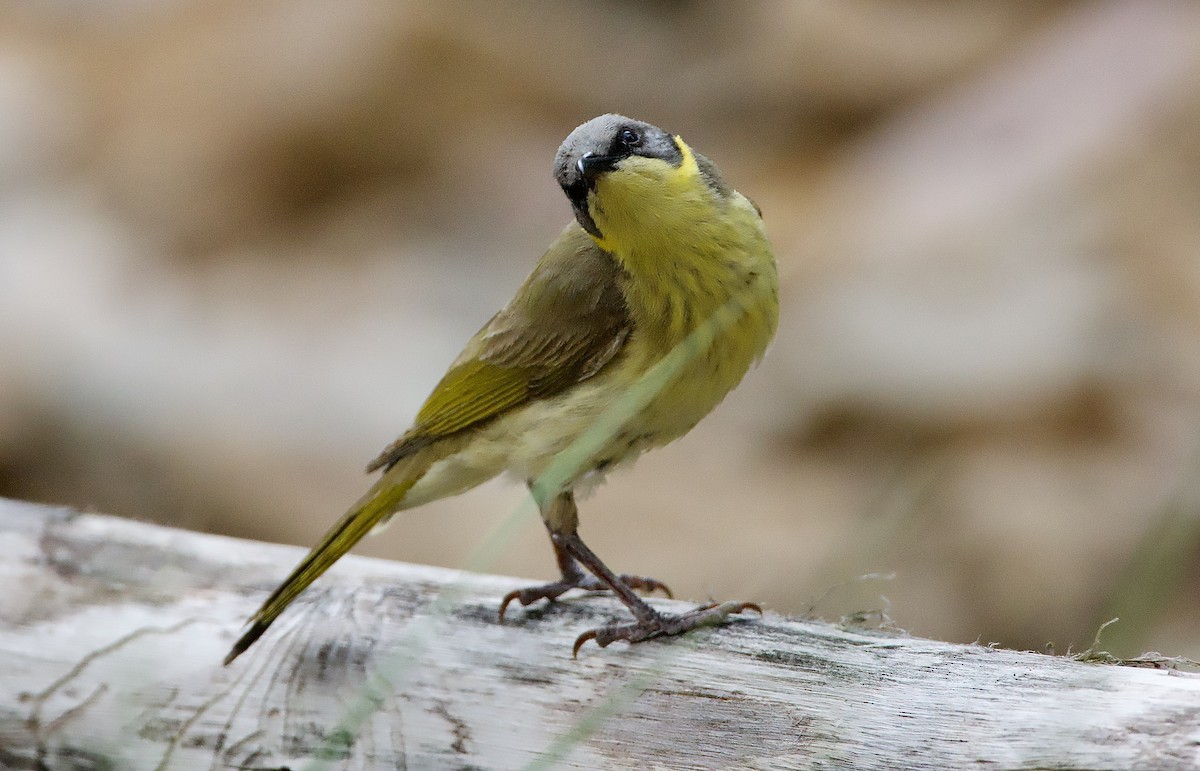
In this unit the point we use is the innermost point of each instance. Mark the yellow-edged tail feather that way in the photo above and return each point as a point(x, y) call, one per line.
point(383, 499)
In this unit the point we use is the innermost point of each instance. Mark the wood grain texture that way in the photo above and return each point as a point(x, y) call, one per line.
point(112, 633)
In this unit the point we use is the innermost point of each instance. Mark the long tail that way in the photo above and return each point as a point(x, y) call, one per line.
point(383, 499)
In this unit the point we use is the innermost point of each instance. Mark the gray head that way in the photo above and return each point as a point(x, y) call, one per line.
point(599, 146)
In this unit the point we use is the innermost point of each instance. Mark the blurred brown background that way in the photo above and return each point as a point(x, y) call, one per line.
point(240, 241)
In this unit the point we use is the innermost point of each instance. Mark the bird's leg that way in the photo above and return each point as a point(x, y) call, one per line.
point(562, 513)
point(562, 520)
point(650, 623)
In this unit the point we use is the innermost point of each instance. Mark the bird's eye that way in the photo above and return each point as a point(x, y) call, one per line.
point(629, 137)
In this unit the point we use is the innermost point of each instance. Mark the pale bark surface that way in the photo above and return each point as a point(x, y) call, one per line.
point(112, 633)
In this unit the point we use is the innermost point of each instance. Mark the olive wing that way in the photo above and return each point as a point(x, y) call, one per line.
point(566, 322)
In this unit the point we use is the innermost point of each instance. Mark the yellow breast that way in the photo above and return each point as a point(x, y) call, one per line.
point(690, 255)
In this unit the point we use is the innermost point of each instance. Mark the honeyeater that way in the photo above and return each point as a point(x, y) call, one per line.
point(661, 252)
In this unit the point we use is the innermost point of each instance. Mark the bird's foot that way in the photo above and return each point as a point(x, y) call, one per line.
point(660, 625)
point(552, 591)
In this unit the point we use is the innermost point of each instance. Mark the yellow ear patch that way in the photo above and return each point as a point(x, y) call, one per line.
point(688, 166)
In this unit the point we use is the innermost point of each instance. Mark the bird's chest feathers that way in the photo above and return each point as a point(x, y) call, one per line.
point(688, 256)
point(682, 255)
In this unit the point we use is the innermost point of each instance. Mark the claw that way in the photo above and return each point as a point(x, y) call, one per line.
point(552, 591)
point(591, 634)
point(641, 583)
point(513, 595)
point(711, 614)
point(648, 585)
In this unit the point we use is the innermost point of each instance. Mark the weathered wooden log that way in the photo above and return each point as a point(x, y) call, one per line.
point(112, 634)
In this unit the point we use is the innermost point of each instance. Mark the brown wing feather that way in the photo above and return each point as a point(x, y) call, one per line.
point(566, 322)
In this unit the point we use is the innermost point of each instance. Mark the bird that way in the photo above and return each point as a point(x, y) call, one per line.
point(662, 262)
